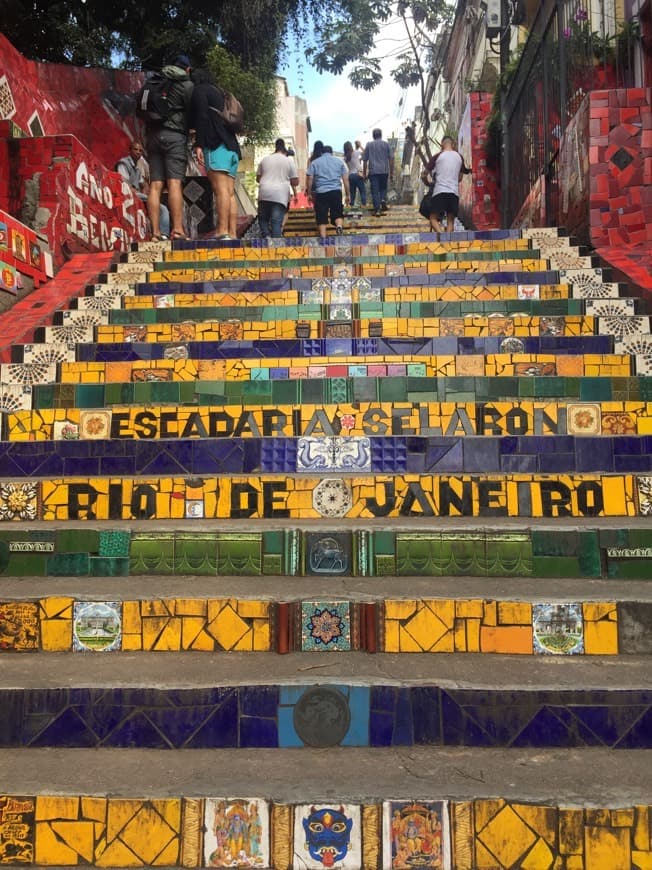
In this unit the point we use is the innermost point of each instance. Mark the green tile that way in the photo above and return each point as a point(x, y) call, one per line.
point(546, 542)
point(272, 565)
point(90, 395)
point(239, 554)
point(385, 566)
point(77, 540)
point(383, 543)
point(365, 389)
point(43, 396)
point(418, 555)
point(107, 566)
point(507, 557)
point(28, 565)
point(629, 569)
point(393, 389)
point(595, 390)
point(273, 542)
point(69, 565)
point(556, 566)
point(589, 553)
point(151, 553)
point(287, 392)
point(195, 553)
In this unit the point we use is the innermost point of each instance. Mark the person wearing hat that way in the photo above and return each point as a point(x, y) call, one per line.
point(167, 149)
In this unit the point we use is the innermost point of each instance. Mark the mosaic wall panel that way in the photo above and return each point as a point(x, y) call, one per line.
point(481, 834)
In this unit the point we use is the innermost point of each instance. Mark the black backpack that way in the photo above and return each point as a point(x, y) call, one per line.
point(152, 100)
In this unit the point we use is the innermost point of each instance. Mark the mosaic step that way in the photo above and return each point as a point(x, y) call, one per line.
point(198, 620)
point(615, 316)
point(398, 287)
point(399, 549)
point(388, 454)
point(300, 497)
point(442, 319)
point(241, 251)
point(320, 327)
point(231, 345)
point(177, 366)
point(190, 819)
point(156, 387)
point(163, 702)
point(432, 419)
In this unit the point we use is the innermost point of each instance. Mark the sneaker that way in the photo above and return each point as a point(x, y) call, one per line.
point(377, 213)
point(383, 206)
point(225, 237)
point(339, 230)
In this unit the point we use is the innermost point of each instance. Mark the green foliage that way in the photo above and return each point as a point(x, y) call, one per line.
point(256, 95)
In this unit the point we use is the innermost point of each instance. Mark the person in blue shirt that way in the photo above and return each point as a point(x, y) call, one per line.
point(324, 179)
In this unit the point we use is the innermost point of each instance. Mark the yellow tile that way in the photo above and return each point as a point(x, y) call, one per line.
point(250, 609)
point(490, 616)
point(56, 607)
point(473, 607)
point(170, 636)
point(642, 839)
point(514, 613)
point(540, 857)
point(571, 831)
point(131, 621)
point(391, 635)
point(262, 636)
point(426, 627)
point(401, 608)
point(508, 837)
point(407, 643)
point(131, 642)
point(79, 836)
point(190, 607)
point(598, 610)
point(601, 638)
point(93, 808)
point(459, 636)
point(227, 628)
point(473, 635)
point(607, 848)
point(56, 635)
point(49, 849)
point(576, 862)
point(55, 807)
point(622, 818)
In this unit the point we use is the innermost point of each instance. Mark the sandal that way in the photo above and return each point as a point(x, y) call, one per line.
point(176, 236)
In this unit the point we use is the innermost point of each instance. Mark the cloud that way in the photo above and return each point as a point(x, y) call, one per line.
point(339, 112)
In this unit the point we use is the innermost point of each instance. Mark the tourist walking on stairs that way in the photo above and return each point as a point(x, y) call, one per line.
point(324, 178)
point(167, 149)
point(277, 177)
point(353, 160)
point(218, 148)
point(445, 170)
point(378, 169)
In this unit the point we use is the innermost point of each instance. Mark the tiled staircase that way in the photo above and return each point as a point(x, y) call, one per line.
point(428, 460)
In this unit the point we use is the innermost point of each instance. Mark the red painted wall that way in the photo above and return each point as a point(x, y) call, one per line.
point(65, 128)
point(51, 98)
point(480, 191)
point(82, 206)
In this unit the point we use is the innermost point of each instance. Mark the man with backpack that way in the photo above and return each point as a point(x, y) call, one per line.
point(164, 104)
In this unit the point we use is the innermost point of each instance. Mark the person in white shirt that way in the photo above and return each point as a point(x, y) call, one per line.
point(278, 178)
point(353, 160)
point(446, 169)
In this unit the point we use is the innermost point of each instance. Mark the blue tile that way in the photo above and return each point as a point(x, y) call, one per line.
point(220, 729)
point(258, 732)
point(426, 714)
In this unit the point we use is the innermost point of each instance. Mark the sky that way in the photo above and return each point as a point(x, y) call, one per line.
point(339, 112)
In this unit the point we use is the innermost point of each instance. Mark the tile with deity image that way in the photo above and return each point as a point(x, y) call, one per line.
point(327, 835)
point(236, 833)
point(416, 834)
